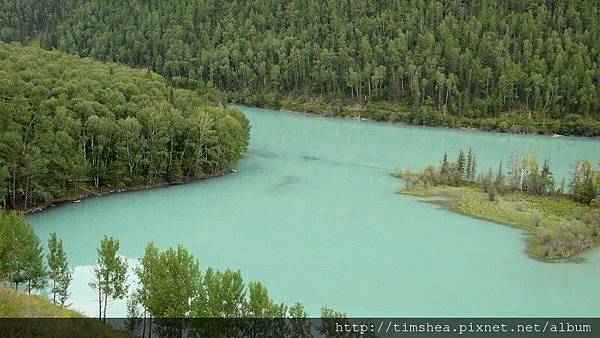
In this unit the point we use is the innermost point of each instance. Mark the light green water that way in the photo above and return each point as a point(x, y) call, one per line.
point(312, 213)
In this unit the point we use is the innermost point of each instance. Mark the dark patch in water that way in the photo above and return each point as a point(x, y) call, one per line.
point(321, 160)
point(369, 166)
point(285, 181)
point(263, 153)
point(338, 163)
point(253, 167)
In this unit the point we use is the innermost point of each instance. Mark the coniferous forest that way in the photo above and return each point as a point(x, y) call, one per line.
point(439, 59)
point(68, 124)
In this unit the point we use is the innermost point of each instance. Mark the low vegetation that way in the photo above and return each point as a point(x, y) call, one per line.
point(561, 220)
point(18, 304)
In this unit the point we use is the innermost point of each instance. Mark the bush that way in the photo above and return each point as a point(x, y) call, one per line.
point(491, 193)
point(537, 220)
point(592, 220)
point(565, 242)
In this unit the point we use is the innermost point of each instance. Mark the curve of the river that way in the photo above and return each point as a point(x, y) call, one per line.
point(312, 213)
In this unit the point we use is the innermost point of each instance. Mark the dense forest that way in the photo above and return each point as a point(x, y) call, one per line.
point(70, 124)
point(476, 59)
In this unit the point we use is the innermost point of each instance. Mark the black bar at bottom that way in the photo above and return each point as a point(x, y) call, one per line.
point(314, 327)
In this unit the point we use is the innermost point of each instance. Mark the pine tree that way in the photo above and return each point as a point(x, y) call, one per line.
point(547, 177)
point(473, 168)
point(582, 184)
point(460, 168)
point(500, 179)
point(469, 165)
point(445, 168)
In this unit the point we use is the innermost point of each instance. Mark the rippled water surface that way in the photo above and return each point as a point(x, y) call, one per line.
point(312, 213)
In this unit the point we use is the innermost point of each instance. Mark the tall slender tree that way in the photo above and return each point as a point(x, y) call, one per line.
point(110, 275)
point(59, 272)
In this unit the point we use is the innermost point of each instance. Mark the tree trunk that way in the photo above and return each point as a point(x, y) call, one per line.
point(99, 301)
point(26, 191)
point(14, 189)
point(144, 323)
point(105, 303)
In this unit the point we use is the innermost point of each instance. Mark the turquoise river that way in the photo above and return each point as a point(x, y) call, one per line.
point(313, 214)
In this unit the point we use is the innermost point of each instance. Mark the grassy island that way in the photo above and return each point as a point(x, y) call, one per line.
point(561, 221)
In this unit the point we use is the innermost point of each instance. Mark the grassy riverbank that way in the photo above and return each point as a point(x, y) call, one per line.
point(56, 322)
point(516, 122)
point(554, 224)
point(17, 304)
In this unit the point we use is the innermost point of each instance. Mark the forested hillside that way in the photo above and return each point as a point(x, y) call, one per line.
point(477, 59)
point(70, 124)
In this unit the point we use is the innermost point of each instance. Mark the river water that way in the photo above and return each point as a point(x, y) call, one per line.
point(313, 214)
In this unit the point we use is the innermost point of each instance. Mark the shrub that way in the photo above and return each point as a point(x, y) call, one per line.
point(592, 220)
point(565, 242)
point(491, 193)
point(537, 220)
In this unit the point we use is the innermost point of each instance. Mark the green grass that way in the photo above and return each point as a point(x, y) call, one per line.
point(17, 304)
point(554, 224)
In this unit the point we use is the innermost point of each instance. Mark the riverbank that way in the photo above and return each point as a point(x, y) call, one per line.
point(82, 192)
point(514, 122)
point(555, 225)
point(17, 304)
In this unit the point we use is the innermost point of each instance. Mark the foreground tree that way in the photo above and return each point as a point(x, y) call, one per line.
point(34, 267)
point(169, 285)
point(583, 183)
point(174, 285)
point(110, 275)
point(222, 295)
point(21, 255)
point(59, 272)
point(329, 319)
point(260, 304)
